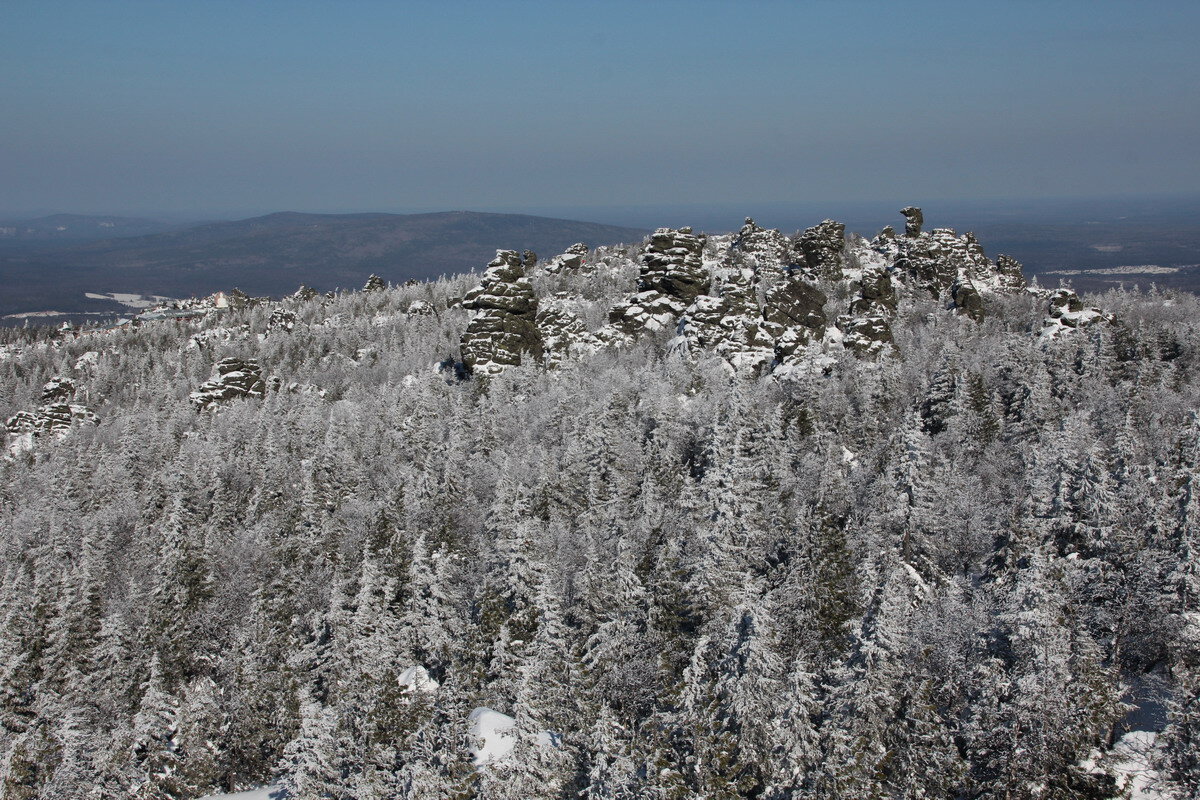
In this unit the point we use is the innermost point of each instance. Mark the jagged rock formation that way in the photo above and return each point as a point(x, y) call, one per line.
point(1008, 272)
point(374, 284)
point(823, 247)
point(504, 326)
point(762, 249)
point(913, 220)
point(673, 265)
point(794, 314)
point(672, 276)
point(570, 260)
point(304, 294)
point(232, 378)
point(731, 322)
point(55, 416)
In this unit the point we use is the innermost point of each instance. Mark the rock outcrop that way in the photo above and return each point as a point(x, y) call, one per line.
point(823, 247)
point(233, 378)
point(913, 220)
point(731, 323)
point(504, 327)
point(570, 261)
point(672, 275)
point(794, 315)
point(1067, 312)
point(374, 284)
point(55, 416)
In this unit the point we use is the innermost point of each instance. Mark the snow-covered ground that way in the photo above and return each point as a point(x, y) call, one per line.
point(1131, 761)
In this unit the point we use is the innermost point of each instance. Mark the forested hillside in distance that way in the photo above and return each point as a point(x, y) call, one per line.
point(746, 516)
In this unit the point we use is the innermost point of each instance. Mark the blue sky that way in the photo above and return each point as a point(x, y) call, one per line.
point(221, 107)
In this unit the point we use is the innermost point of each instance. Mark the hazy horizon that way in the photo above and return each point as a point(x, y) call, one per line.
point(224, 109)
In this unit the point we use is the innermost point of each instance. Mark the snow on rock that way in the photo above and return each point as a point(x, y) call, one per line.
point(232, 378)
point(261, 793)
point(494, 735)
point(417, 679)
point(570, 261)
point(1067, 313)
point(823, 246)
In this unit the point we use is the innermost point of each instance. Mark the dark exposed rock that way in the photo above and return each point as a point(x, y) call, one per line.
point(731, 323)
point(1067, 312)
point(529, 260)
point(823, 247)
point(672, 265)
point(304, 293)
point(967, 300)
point(232, 378)
point(504, 325)
point(762, 248)
point(794, 314)
point(50, 419)
point(1064, 301)
point(866, 335)
point(876, 293)
point(913, 220)
point(374, 284)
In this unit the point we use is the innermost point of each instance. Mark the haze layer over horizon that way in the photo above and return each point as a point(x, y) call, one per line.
point(177, 108)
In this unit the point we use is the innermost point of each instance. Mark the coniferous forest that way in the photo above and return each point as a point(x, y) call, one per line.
point(745, 516)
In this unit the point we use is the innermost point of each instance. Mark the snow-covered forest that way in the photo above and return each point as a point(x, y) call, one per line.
point(749, 516)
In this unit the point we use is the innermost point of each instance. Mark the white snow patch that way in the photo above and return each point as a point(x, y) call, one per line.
point(494, 733)
point(1132, 762)
point(416, 679)
point(262, 793)
point(492, 730)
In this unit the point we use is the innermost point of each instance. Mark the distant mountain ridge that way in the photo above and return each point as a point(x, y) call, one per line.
point(273, 254)
point(72, 227)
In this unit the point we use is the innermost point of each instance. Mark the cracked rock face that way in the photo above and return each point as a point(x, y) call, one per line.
point(672, 265)
point(1009, 271)
point(374, 284)
point(795, 315)
point(52, 419)
point(866, 335)
point(232, 378)
point(504, 326)
point(823, 247)
point(730, 323)
point(763, 249)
